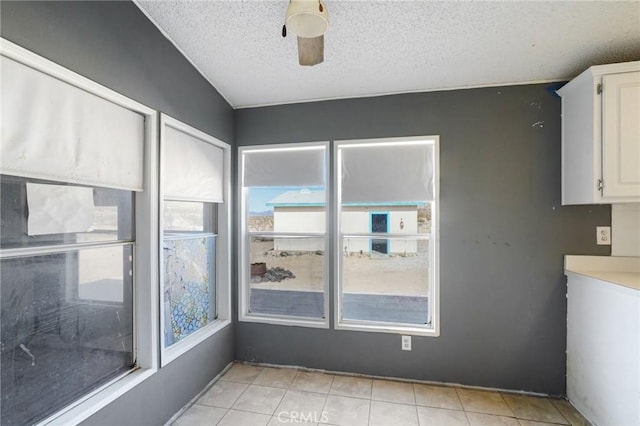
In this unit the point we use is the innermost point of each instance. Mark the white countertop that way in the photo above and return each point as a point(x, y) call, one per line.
point(624, 271)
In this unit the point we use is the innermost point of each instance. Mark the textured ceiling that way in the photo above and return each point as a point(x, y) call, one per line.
point(381, 47)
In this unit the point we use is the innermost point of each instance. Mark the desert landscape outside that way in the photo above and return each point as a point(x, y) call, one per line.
point(372, 282)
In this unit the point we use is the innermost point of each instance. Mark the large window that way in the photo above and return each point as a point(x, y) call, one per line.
point(386, 234)
point(67, 293)
point(383, 215)
point(283, 265)
point(78, 237)
point(194, 217)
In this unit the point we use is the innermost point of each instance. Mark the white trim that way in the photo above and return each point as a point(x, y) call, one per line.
point(179, 49)
point(387, 236)
point(244, 235)
point(412, 140)
point(223, 249)
point(290, 321)
point(306, 146)
point(183, 346)
point(287, 234)
point(595, 73)
point(60, 248)
point(434, 244)
point(388, 328)
point(98, 399)
point(146, 295)
point(402, 92)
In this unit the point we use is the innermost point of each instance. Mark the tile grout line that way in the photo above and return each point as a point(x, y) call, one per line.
point(279, 402)
point(466, 416)
point(567, 422)
point(508, 406)
point(326, 398)
point(239, 396)
point(370, 405)
point(225, 413)
point(415, 402)
point(333, 377)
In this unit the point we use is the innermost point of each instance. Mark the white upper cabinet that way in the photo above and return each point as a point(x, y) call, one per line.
point(601, 135)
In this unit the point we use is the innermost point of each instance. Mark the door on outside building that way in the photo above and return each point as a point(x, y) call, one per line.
point(380, 223)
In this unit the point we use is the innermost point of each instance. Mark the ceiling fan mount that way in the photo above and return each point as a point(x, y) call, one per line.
point(309, 21)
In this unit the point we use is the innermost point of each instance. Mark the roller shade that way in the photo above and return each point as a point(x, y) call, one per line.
point(286, 167)
point(56, 131)
point(193, 168)
point(387, 173)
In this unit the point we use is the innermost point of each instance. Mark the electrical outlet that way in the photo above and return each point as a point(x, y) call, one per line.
point(603, 235)
point(406, 343)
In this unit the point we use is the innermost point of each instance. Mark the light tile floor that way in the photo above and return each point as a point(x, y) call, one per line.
point(249, 395)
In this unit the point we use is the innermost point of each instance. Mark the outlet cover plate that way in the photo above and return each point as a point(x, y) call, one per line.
point(603, 235)
point(406, 343)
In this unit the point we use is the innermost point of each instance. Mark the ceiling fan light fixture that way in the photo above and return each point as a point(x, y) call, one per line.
point(307, 18)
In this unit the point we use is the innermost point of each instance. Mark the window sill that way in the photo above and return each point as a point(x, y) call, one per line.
point(391, 329)
point(98, 399)
point(174, 351)
point(294, 322)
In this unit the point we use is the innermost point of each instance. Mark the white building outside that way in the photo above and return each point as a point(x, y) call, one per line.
point(303, 211)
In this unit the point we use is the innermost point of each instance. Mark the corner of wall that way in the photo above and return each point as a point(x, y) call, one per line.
point(625, 229)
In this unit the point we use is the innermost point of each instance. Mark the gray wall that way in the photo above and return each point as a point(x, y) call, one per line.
point(503, 237)
point(160, 397)
point(114, 44)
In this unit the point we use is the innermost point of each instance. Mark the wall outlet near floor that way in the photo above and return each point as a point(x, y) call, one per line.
point(406, 343)
point(603, 235)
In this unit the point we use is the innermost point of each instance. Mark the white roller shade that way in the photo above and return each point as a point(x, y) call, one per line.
point(193, 168)
point(56, 131)
point(286, 167)
point(379, 173)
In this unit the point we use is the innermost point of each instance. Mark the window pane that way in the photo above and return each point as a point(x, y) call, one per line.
point(189, 285)
point(67, 328)
point(385, 280)
point(182, 216)
point(287, 276)
point(112, 216)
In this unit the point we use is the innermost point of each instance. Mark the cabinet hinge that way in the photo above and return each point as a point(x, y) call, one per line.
point(599, 88)
point(600, 184)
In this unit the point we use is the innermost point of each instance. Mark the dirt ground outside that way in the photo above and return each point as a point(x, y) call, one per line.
point(365, 273)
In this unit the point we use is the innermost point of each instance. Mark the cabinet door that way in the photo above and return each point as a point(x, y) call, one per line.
point(621, 135)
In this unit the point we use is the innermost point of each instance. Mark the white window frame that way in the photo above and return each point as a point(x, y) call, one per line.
point(244, 244)
point(223, 248)
point(434, 248)
point(145, 275)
